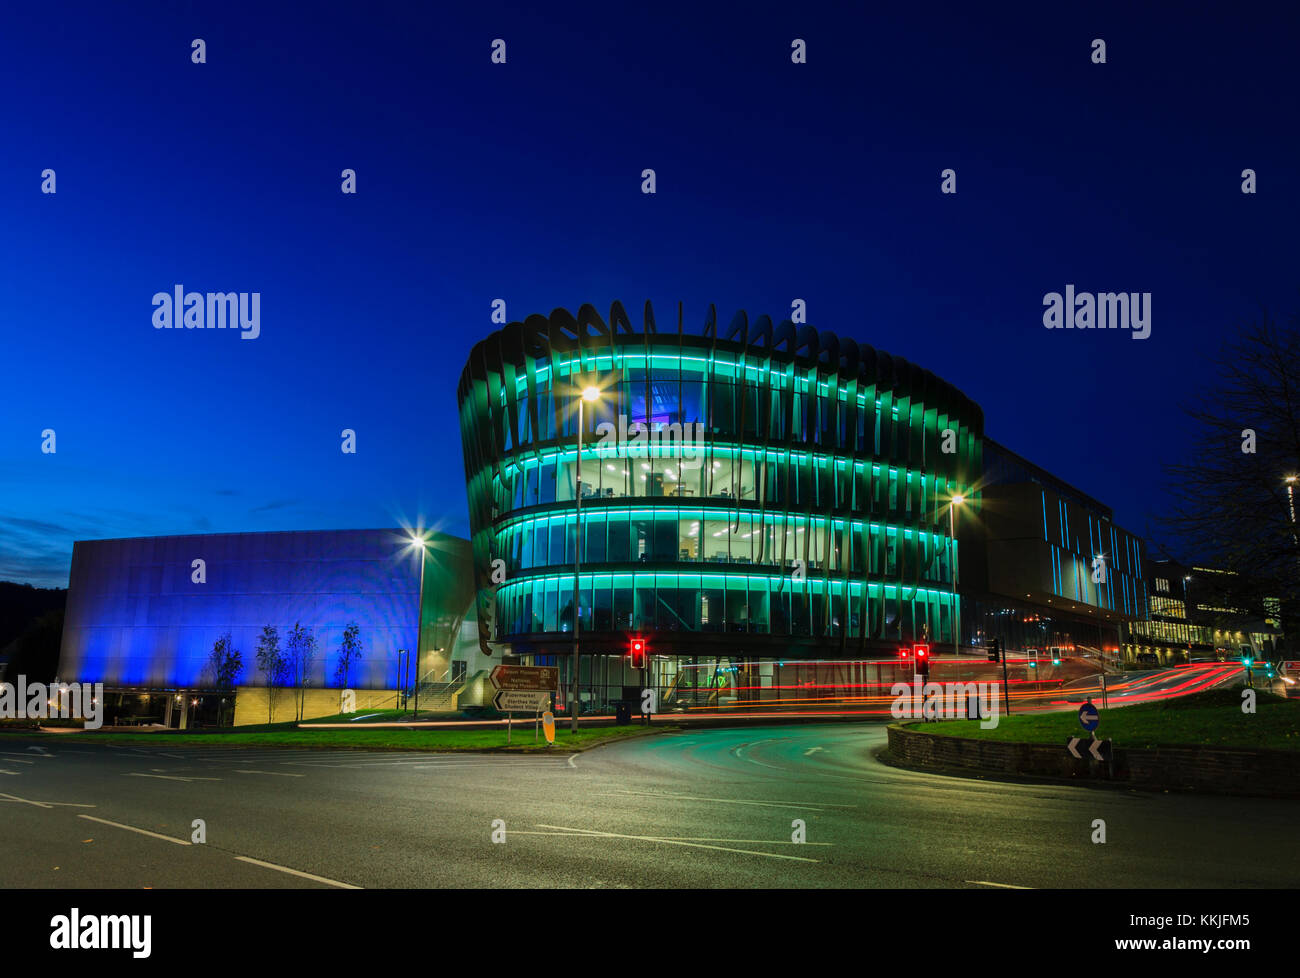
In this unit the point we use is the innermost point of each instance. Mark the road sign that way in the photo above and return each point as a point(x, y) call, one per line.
point(521, 700)
point(1099, 749)
point(1291, 666)
point(548, 726)
point(525, 677)
point(1089, 717)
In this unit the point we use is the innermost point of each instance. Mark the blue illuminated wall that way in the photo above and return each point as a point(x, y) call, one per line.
point(136, 619)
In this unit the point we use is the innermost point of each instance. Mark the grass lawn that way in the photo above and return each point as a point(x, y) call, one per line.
point(1209, 719)
point(285, 735)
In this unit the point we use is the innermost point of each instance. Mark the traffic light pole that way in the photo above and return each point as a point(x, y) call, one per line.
point(577, 567)
point(1006, 693)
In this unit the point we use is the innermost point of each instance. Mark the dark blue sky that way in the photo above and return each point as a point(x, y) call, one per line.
point(522, 181)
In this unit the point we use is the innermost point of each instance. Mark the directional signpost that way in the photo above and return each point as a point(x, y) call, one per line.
point(1088, 716)
point(521, 700)
point(1099, 750)
point(523, 689)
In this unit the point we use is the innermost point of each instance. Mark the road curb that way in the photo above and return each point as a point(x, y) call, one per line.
point(1205, 770)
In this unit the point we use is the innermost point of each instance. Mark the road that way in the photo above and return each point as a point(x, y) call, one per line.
point(702, 808)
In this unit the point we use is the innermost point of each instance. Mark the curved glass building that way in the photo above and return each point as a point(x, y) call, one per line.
point(754, 491)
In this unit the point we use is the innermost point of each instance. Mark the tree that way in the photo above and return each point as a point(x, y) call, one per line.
point(225, 662)
point(274, 665)
point(349, 654)
point(300, 654)
point(35, 653)
point(1230, 505)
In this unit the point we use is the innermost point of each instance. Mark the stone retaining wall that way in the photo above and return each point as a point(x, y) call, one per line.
point(1273, 773)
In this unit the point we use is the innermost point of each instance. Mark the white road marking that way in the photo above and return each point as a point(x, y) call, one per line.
point(297, 872)
point(18, 758)
point(677, 842)
point(764, 842)
point(571, 764)
point(44, 804)
point(732, 801)
point(14, 773)
point(132, 828)
point(166, 777)
point(278, 774)
point(1002, 886)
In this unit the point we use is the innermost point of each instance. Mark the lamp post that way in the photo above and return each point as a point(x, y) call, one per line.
point(418, 540)
point(401, 685)
point(589, 393)
point(957, 500)
point(1290, 502)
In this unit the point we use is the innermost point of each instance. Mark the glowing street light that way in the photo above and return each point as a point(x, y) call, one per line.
point(590, 394)
point(957, 500)
point(418, 539)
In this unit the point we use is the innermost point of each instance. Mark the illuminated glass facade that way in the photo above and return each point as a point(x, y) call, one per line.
point(792, 500)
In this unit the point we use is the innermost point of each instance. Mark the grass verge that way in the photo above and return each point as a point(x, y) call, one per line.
point(1210, 719)
point(387, 738)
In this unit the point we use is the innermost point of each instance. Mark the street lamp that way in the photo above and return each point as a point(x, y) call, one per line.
point(589, 395)
point(418, 540)
point(1290, 502)
point(401, 683)
point(957, 500)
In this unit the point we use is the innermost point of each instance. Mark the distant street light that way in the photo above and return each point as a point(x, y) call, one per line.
point(957, 500)
point(1290, 502)
point(590, 394)
point(418, 539)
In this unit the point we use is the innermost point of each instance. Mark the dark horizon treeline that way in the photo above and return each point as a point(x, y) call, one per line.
point(31, 630)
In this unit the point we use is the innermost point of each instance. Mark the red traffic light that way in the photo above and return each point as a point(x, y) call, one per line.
point(922, 652)
point(637, 653)
point(904, 652)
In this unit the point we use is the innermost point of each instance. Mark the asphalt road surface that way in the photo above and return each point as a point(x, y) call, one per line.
point(704, 808)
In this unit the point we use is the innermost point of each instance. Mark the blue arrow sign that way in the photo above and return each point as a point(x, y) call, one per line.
point(1089, 717)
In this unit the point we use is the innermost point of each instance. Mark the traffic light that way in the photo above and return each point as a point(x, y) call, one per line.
point(1056, 656)
point(923, 659)
point(994, 649)
point(637, 653)
point(1246, 660)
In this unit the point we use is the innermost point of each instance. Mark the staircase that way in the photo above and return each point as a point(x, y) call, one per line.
point(438, 697)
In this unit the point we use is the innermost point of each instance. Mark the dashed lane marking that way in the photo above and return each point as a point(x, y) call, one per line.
point(44, 804)
point(166, 777)
point(278, 774)
point(677, 842)
point(132, 828)
point(732, 801)
point(297, 872)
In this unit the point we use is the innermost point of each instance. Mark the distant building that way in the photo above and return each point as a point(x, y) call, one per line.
point(1192, 620)
point(140, 621)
